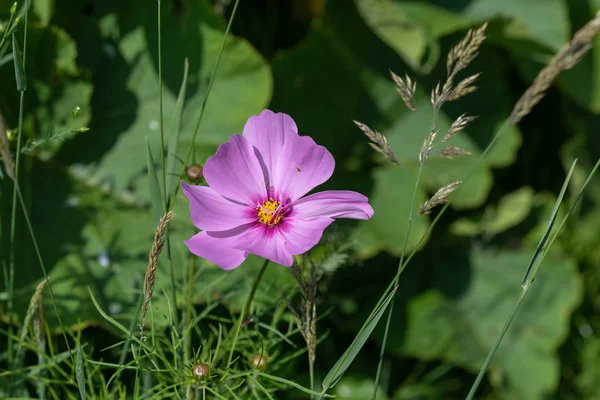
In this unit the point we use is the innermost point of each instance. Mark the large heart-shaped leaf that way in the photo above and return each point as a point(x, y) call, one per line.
point(57, 98)
point(126, 101)
point(461, 325)
point(336, 64)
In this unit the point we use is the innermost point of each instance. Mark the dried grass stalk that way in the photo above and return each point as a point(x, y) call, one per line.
point(565, 59)
point(453, 151)
point(35, 307)
point(9, 164)
point(427, 145)
point(406, 88)
point(157, 247)
point(378, 142)
point(465, 51)
point(459, 57)
point(458, 125)
point(440, 197)
point(463, 88)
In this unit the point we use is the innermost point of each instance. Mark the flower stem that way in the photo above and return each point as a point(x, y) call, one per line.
point(254, 287)
point(247, 306)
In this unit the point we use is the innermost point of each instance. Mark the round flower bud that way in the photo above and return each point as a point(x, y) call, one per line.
point(259, 361)
point(194, 172)
point(201, 371)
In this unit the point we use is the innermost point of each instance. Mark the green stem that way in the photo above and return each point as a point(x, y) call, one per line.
point(13, 215)
point(396, 280)
point(499, 338)
point(246, 309)
point(311, 371)
point(164, 170)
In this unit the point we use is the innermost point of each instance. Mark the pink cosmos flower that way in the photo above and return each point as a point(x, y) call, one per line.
point(254, 199)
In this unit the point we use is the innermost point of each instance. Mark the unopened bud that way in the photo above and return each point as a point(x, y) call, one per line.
point(194, 172)
point(10, 134)
point(259, 361)
point(13, 9)
point(201, 371)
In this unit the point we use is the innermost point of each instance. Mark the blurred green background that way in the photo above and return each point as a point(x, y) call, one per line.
point(326, 63)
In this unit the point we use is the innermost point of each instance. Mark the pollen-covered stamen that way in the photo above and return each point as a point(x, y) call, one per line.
point(269, 212)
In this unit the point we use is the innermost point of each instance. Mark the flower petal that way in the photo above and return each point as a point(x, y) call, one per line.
point(265, 242)
point(234, 172)
point(218, 247)
point(333, 204)
point(302, 165)
point(212, 212)
point(302, 235)
point(267, 132)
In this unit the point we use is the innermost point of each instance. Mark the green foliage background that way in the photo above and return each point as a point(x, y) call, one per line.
point(326, 63)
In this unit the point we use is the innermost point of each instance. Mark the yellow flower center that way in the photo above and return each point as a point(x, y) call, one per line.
point(268, 212)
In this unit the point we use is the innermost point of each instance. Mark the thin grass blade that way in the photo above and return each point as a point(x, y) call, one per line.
point(340, 367)
point(291, 383)
point(176, 133)
point(540, 253)
point(157, 204)
point(80, 373)
point(19, 66)
point(536, 259)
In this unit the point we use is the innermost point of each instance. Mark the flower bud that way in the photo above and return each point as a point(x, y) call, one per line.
point(13, 9)
point(201, 371)
point(259, 361)
point(194, 172)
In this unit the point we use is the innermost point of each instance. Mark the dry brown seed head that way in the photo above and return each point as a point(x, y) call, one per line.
point(427, 145)
point(453, 151)
point(157, 247)
point(463, 88)
point(458, 125)
point(566, 58)
point(465, 51)
point(378, 142)
point(406, 88)
point(440, 197)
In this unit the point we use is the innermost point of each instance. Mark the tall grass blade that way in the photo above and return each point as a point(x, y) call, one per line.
point(157, 203)
point(536, 258)
point(80, 373)
point(19, 66)
point(539, 255)
point(175, 134)
point(340, 367)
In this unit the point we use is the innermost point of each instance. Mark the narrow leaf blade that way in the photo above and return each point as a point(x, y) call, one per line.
point(340, 367)
point(19, 67)
point(535, 260)
point(80, 373)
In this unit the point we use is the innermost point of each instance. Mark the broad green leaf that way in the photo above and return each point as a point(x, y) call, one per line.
point(335, 63)
point(460, 326)
point(545, 22)
point(173, 172)
point(55, 87)
point(511, 210)
point(357, 389)
point(126, 102)
point(412, 29)
point(156, 197)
